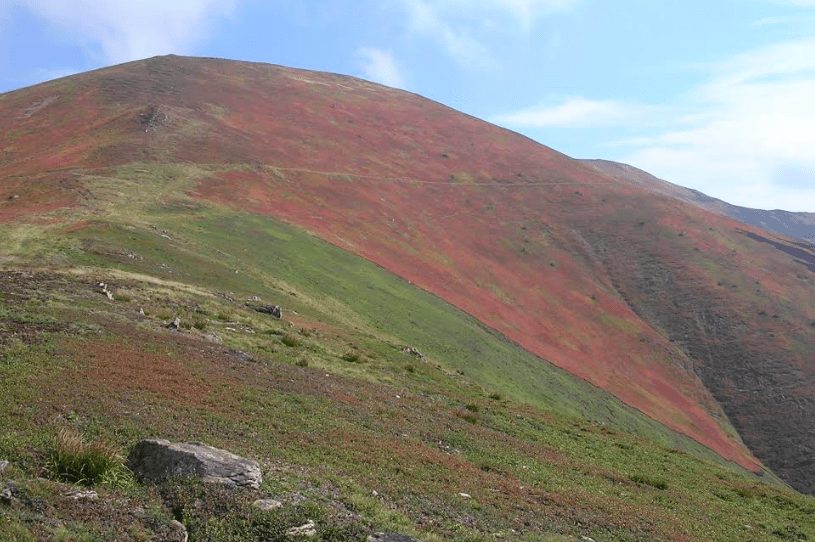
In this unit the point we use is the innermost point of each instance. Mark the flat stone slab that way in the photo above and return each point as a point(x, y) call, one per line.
point(156, 460)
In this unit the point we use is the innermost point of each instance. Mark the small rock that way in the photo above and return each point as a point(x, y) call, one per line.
point(14, 197)
point(465, 495)
point(267, 504)
point(82, 495)
point(155, 460)
point(307, 529)
point(141, 311)
point(412, 351)
point(587, 539)
point(213, 338)
point(175, 324)
point(374, 493)
point(9, 493)
point(391, 537)
point(274, 310)
point(254, 298)
point(179, 530)
point(3, 465)
point(105, 290)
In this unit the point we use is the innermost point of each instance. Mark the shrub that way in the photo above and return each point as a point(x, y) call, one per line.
point(200, 325)
point(472, 408)
point(290, 340)
point(495, 396)
point(74, 460)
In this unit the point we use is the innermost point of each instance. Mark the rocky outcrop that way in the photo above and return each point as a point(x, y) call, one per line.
point(155, 460)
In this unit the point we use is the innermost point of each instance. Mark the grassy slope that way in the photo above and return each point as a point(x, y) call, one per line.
point(417, 432)
point(479, 227)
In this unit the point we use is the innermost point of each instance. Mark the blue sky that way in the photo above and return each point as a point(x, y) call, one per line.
point(718, 95)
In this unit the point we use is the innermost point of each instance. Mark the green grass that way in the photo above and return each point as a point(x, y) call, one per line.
point(273, 260)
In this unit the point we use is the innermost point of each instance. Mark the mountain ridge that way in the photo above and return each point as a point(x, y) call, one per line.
point(797, 225)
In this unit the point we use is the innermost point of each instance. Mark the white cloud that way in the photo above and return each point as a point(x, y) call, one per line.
point(750, 137)
point(381, 66)
point(463, 26)
point(575, 112)
point(122, 30)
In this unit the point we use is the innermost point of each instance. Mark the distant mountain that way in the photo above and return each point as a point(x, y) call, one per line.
point(795, 225)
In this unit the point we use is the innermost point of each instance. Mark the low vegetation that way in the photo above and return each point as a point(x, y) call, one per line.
point(73, 459)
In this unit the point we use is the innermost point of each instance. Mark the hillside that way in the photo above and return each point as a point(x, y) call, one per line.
point(598, 360)
point(799, 226)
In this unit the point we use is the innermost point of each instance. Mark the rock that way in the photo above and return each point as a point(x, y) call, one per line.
point(104, 288)
point(14, 197)
point(179, 530)
point(3, 465)
point(213, 338)
point(9, 493)
point(82, 495)
point(155, 460)
point(465, 495)
point(412, 351)
point(141, 311)
point(308, 529)
point(267, 504)
point(274, 310)
point(175, 324)
point(391, 537)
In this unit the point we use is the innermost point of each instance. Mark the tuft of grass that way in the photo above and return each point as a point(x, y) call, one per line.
point(654, 482)
point(351, 357)
point(72, 459)
point(472, 408)
point(467, 416)
point(290, 340)
point(495, 396)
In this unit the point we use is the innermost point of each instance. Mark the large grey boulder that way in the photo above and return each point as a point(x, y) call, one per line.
point(155, 460)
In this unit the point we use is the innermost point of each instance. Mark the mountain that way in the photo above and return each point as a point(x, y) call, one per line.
point(799, 226)
point(465, 310)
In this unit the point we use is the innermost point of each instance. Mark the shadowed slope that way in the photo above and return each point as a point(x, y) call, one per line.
point(577, 268)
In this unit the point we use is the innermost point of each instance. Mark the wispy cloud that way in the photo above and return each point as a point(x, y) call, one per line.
point(462, 27)
point(121, 30)
point(380, 66)
point(750, 139)
point(575, 112)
